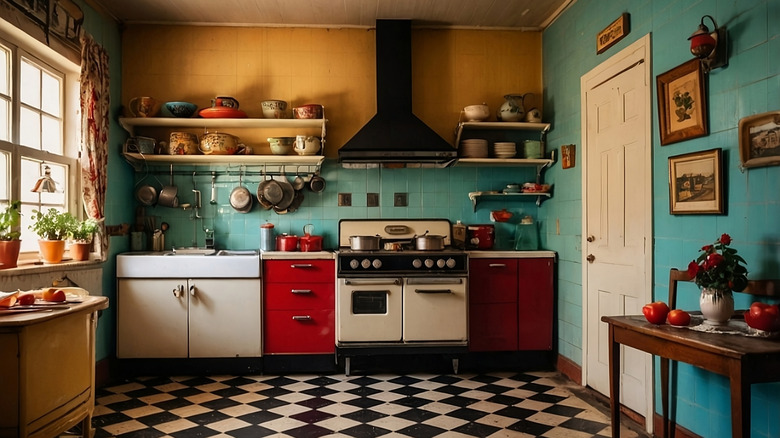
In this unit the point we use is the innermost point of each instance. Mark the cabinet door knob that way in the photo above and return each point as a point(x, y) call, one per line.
point(590, 258)
point(178, 290)
point(591, 238)
point(192, 290)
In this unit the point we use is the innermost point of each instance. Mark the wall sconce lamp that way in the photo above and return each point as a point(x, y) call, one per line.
point(45, 184)
point(710, 47)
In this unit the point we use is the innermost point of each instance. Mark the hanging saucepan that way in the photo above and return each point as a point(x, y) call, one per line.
point(240, 197)
point(265, 203)
point(169, 195)
point(289, 193)
point(364, 243)
point(429, 242)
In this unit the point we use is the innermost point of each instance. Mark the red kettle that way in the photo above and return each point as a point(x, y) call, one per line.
point(310, 242)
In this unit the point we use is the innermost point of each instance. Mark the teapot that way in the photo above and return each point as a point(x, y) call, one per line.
point(513, 110)
point(306, 145)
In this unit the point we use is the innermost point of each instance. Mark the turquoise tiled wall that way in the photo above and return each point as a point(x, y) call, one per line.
point(749, 85)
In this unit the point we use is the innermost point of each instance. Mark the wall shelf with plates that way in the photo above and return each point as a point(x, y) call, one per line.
point(476, 197)
point(499, 130)
point(268, 163)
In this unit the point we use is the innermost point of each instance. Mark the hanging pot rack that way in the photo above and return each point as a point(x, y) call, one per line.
point(252, 164)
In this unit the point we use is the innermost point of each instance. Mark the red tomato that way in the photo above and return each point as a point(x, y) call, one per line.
point(678, 317)
point(656, 312)
point(26, 299)
point(763, 316)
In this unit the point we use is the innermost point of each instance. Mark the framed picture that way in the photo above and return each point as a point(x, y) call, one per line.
point(616, 31)
point(682, 103)
point(759, 140)
point(568, 155)
point(696, 183)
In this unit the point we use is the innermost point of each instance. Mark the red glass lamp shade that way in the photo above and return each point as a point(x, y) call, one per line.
point(702, 42)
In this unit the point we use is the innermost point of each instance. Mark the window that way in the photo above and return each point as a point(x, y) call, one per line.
point(36, 117)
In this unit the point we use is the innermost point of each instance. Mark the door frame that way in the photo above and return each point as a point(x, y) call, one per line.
point(606, 70)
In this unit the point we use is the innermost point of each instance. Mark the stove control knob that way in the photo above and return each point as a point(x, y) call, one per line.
point(366, 263)
point(377, 264)
point(428, 263)
point(451, 263)
point(440, 263)
point(416, 263)
point(354, 264)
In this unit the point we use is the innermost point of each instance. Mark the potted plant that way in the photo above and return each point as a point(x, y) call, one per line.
point(53, 228)
point(81, 238)
point(10, 218)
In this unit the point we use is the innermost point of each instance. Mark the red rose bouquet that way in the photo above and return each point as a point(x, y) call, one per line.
point(719, 267)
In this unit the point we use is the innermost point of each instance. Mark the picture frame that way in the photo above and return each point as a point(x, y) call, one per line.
point(682, 103)
point(759, 140)
point(614, 32)
point(568, 156)
point(696, 183)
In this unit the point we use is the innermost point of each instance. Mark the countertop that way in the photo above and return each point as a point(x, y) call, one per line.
point(488, 254)
point(10, 319)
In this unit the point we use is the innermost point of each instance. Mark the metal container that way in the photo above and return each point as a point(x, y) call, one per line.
point(364, 243)
point(267, 237)
point(429, 242)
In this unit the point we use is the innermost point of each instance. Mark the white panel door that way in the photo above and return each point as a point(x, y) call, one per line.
point(617, 210)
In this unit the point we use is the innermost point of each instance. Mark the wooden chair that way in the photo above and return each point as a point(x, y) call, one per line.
point(766, 288)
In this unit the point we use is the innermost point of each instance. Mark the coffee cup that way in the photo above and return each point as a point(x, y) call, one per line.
point(306, 145)
point(143, 106)
point(225, 102)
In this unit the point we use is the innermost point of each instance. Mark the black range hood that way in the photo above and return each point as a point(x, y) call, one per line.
point(395, 137)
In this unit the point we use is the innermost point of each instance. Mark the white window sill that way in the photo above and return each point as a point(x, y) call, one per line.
point(34, 266)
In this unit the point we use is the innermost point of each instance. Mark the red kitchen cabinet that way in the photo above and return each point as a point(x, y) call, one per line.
point(299, 298)
point(510, 304)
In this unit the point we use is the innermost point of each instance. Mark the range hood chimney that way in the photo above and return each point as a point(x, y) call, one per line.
point(395, 137)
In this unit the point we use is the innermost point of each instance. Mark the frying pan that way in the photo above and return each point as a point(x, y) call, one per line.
point(288, 190)
point(240, 198)
point(266, 204)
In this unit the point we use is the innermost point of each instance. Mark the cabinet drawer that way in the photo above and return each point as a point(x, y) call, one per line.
point(299, 271)
point(300, 331)
point(493, 281)
point(284, 296)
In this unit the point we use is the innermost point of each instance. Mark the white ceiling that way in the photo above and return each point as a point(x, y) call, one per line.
point(493, 14)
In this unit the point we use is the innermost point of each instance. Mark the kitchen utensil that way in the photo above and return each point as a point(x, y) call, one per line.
point(178, 109)
point(296, 202)
point(224, 102)
point(310, 242)
point(364, 243)
point(309, 111)
point(143, 106)
point(281, 145)
point(213, 189)
point(298, 183)
point(533, 149)
point(476, 113)
point(219, 143)
point(459, 235)
point(221, 112)
point(267, 237)
point(274, 109)
point(288, 190)
point(501, 215)
point(240, 198)
point(533, 116)
point(480, 236)
point(393, 246)
point(513, 110)
point(266, 204)
point(146, 194)
point(183, 143)
point(307, 144)
point(141, 145)
point(526, 235)
point(428, 242)
point(317, 183)
point(273, 192)
point(286, 242)
point(169, 195)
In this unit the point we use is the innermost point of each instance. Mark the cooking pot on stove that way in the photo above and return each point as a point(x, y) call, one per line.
point(286, 242)
point(429, 242)
point(480, 236)
point(364, 243)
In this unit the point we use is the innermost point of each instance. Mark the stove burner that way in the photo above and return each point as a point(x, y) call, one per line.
point(407, 263)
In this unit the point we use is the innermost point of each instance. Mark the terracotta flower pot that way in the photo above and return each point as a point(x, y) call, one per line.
point(79, 251)
point(51, 250)
point(9, 253)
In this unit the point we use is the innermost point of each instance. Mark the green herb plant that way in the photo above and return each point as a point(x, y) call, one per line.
point(53, 225)
point(10, 218)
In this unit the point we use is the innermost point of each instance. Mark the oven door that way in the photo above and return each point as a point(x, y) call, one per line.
point(368, 310)
point(435, 309)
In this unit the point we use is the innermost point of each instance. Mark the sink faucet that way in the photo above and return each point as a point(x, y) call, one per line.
point(209, 238)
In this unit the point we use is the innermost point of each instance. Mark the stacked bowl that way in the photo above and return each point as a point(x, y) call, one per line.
point(474, 148)
point(504, 149)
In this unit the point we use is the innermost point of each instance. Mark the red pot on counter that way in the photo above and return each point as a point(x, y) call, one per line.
point(311, 243)
point(480, 236)
point(286, 242)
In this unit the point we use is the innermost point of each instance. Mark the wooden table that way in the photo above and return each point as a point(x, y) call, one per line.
point(743, 359)
point(47, 369)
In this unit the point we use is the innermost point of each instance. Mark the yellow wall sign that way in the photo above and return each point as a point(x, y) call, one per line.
point(612, 33)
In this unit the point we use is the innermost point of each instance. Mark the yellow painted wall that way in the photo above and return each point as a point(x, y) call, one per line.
point(333, 67)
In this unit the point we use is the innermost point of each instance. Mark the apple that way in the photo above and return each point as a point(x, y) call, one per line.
point(52, 294)
point(26, 299)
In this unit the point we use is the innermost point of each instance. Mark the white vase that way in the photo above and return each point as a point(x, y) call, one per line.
point(716, 305)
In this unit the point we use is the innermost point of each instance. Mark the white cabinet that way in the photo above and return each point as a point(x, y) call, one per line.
point(197, 318)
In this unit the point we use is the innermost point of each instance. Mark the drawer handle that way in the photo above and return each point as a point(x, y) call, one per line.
point(301, 265)
point(301, 318)
point(301, 291)
point(497, 265)
point(433, 291)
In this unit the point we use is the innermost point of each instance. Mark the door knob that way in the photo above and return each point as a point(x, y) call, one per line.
point(590, 258)
point(591, 238)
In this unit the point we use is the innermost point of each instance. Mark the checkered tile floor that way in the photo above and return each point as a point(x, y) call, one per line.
point(531, 404)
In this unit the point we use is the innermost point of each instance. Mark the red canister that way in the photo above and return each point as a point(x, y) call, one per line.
point(480, 236)
point(311, 243)
point(286, 242)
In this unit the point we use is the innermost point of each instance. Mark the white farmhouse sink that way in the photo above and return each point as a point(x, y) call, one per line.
point(239, 264)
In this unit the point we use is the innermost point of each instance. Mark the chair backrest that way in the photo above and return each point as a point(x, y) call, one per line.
point(766, 288)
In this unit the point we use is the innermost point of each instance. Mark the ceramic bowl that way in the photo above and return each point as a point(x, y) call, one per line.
point(178, 109)
point(183, 143)
point(476, 113)
point(310, 111)
point(274, 109)
point(281, 145)
point(219, 143)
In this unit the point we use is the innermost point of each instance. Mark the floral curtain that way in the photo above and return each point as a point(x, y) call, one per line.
point(94, 135)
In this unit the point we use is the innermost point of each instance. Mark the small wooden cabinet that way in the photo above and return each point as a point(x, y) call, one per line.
point(511, 304)
point(299, 306)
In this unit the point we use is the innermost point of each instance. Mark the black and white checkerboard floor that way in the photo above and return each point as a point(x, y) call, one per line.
point(502, 404)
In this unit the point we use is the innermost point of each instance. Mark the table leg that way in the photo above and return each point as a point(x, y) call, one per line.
point(740, 403)
point(614, 382)
point(665, 395)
